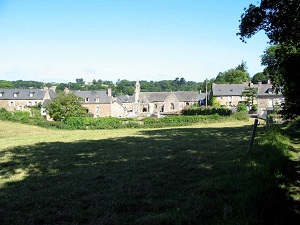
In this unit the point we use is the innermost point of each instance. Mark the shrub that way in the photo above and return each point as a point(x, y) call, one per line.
point(254, 108)
point(207, 111)
point(293, 128)
point(241, 107)
point(242, 116)
point(5, 115)
point(21, 116)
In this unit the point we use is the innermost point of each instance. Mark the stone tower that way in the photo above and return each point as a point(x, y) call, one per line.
point(136, 97)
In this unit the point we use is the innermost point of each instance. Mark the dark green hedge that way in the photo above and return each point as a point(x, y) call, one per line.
point(83, 123)
point(207, 111)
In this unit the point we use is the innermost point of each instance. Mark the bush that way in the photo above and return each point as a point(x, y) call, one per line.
point(254, 108)
point(241, 107)
point(241, 116)
point(293, 128)
point(21, 116)
point(5, 115)
point(170, 121)
point(207, 111)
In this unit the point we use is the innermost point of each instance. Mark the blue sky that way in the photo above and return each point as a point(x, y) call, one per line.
point(61, 40)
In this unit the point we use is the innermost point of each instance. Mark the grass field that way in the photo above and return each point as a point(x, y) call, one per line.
point(199, 174)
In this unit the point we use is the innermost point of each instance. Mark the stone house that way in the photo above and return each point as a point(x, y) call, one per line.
point(24, 99)
point(268, 99)
point(100, 103)
point(229, 95)
point(160, 102)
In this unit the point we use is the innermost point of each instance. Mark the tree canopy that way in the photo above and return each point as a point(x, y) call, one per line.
point(6, 84)
point(65, 105)
point(280, 20)
point(237, 75)
point(260, 76)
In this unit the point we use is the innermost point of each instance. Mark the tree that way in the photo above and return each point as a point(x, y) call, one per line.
point(261, 76)
point(6, 84)
point(64, 106)
point(232, 76)
point(280, 21)
point(272, 58)
point(250, 93)
point(243, 67)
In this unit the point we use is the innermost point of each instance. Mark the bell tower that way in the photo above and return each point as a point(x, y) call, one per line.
point(137, 96)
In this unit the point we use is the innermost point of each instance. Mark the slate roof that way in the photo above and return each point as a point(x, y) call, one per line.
point(187, 96)
point(117, 100)
point(229, 89)
point(154, 96)
point(267, 90)
point(126, 99)
point(24, 94)
point(92, 96)
point(46, 102)
point(183, 96)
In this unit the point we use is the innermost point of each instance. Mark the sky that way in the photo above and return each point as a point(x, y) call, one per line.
point(62, 40)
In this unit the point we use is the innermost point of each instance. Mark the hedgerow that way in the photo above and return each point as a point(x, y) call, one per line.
point(83, 123)
point(207, 111)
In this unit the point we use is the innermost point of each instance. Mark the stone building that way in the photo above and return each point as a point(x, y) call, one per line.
point(268, 99)
point(229, 95)
point(100, 103)
point(163, 102)
point(24, 99)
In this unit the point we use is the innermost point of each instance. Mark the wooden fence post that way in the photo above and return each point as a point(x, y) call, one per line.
point(252, 135)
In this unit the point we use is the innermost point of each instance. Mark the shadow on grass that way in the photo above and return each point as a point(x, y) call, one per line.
point(163, 176)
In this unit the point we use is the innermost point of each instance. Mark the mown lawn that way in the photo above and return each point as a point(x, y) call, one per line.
point(189, 175)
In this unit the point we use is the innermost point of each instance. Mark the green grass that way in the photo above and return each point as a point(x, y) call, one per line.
point(199, 174)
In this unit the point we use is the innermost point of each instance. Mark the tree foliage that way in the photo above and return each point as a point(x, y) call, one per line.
point(64, 106)
point(6, 84)
point(260, 76)
point(280, 21)
point(237, 75)
point(250, 93)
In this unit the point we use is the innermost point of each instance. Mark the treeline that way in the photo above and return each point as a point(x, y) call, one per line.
point(235, 75)
point(121, 87)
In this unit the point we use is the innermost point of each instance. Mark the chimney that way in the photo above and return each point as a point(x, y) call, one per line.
point(109, 92)
point(66, 90)
point(259, 83)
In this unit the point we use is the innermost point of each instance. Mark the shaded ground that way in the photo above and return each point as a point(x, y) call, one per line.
point(163, 176)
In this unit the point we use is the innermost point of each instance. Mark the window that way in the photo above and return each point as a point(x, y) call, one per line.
point(270, 102)
point(187, 103)
point(97, 109)
point(11, 103)
point(29, 104)
point(16, 94)
point(20, 107)
point(155, 106)
point(31, 94)
point(172, 107)
point(86, 99)
point(1, 94)
point(97, 99)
